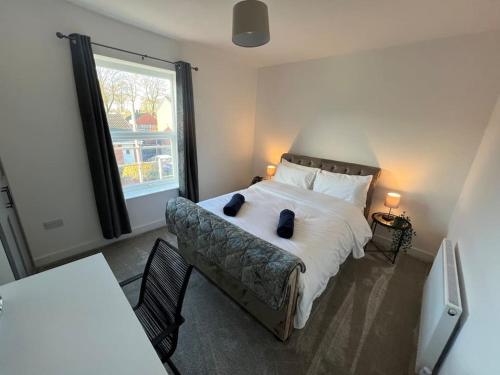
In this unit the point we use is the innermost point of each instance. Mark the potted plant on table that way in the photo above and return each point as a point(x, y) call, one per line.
point(403, 221)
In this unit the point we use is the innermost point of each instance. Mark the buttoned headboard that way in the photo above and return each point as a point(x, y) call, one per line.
point(339, 167)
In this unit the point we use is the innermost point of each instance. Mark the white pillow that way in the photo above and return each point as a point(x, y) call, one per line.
point(294, 176)
point(352, 189)
point(303, 167)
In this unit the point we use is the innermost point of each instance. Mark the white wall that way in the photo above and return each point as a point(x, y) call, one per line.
point(225, 93)
point(474, 228)
point(418, 111)
point(41, 141)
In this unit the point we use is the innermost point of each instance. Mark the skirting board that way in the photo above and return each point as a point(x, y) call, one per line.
point(91, 245)
point(58, 255)
point(415, 252)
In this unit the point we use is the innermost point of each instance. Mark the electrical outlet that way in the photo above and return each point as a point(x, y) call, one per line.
point(52, 224)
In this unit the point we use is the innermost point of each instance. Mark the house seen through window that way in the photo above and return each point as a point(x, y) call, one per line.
point(140, 108)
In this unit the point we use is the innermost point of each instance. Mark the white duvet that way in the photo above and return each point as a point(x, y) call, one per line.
point(326, 230)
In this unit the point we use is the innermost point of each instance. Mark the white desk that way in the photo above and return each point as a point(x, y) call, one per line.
point(73, 320)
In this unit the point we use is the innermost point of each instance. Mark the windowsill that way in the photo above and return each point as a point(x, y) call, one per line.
point(132, 192)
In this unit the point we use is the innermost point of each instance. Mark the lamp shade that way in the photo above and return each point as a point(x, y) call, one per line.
point(250, 23)
point(271, 170)
point(392, 200)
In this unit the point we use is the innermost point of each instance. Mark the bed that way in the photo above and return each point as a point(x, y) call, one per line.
point(327, 231)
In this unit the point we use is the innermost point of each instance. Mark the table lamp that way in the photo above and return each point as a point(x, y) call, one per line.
point(270, 171)
point(392, 201)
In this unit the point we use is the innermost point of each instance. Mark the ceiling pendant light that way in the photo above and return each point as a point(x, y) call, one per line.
point(250, 23)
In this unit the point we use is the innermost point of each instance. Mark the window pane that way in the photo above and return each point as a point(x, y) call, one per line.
point(153, 161)
point(140, 108)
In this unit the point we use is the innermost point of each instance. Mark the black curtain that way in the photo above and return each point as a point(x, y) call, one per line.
point(108, 192)
point(188, 162)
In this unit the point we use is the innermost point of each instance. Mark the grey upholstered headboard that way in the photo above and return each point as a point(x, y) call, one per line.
point(339, 167)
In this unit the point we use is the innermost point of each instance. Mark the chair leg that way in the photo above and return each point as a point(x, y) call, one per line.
point(172, 367)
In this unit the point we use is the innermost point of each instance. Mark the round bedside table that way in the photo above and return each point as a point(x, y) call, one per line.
point(399, 224)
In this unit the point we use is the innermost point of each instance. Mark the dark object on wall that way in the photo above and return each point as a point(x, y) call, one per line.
point(188, 162)
point(234, 205)
point(108, 192)
point(163, 287)
point(286, 224)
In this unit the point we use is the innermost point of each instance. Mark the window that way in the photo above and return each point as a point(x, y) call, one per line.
point(140, 108)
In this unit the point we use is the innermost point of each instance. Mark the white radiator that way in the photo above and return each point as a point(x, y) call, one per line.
point(441, 309)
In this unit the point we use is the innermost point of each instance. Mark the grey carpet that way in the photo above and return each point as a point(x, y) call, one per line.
point(365, 323)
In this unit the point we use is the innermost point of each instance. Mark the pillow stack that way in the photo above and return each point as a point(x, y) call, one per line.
point(296, 175)
point(350, 188)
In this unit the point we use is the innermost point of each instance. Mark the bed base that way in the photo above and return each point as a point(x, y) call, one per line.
point(279, 322)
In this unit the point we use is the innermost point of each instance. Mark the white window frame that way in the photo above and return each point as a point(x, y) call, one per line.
point(151, 187)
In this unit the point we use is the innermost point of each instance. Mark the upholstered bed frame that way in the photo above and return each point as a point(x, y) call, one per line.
point(279, 322)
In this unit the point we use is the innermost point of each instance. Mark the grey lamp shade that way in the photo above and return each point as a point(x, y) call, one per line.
point(250, 23)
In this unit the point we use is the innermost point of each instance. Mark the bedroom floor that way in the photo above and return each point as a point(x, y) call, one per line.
point(365, 323)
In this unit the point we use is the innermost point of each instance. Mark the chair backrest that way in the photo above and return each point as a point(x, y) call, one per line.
point(165, 280)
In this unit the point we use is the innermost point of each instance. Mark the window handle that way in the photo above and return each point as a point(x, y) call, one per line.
point(10, 203)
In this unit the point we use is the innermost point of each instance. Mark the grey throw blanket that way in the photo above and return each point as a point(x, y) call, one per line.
point(260, 266)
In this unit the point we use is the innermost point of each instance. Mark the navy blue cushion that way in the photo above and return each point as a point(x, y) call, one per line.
point(234, 205)
point(285, 224)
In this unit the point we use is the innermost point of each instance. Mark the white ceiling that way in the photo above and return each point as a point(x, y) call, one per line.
point(307, 29)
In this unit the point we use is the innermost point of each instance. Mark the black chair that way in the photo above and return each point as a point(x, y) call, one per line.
point(164, 284)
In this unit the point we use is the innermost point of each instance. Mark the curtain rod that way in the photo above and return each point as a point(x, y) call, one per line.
point(142, 55)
